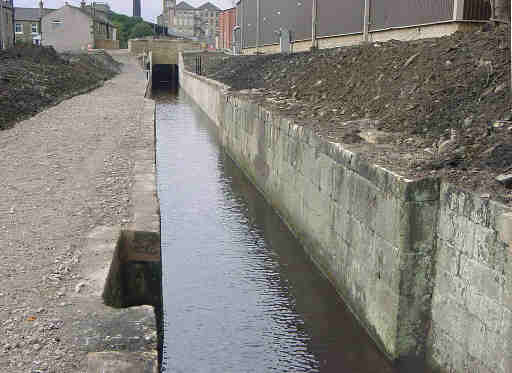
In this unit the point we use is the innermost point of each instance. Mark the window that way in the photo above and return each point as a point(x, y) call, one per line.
point(34, 28)
point(56, 23)
point(19, 28)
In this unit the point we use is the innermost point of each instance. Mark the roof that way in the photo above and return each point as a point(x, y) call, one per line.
point(184, 6)
point(30, 14)
point(209, 6)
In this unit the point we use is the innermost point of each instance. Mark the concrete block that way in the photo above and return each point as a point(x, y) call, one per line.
point(122, 362)
point(445, 352)
point(504, 227)
point(482, 278)
point(448, 259)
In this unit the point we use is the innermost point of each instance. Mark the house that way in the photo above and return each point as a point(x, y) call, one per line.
point(27, 27)
point(75, 29)
point(6, 24)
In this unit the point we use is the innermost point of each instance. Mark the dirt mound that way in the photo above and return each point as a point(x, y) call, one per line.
point(431, 107)
point(32, 78)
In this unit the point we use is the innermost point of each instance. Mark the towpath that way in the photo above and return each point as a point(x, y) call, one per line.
point(65, 176)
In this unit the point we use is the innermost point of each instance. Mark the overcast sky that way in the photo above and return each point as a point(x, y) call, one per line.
point(150, 8)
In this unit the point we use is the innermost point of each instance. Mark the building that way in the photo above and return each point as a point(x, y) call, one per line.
point(27, 27)
point(76, 29)
point(136, 8)
point(6, 24)
point(341, 23)
point(227, 22)
point(168, 10)
point(183, 19)
point(208, 19)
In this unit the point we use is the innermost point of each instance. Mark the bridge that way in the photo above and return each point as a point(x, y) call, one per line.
point(159, 58)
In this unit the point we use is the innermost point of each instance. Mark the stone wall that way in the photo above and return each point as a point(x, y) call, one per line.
point(472, 303)
point(165, 51)
point(369, 230)
point(107, 44)
point(423, 265)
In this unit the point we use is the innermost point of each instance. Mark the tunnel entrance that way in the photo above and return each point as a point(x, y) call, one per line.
point(165, 76)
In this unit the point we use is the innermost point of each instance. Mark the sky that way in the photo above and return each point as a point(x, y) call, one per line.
point(150, 8)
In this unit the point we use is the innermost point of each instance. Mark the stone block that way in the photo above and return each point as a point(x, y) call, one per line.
point(448, 259)
point(504, 227)
point(122, 362)
point(482, 278)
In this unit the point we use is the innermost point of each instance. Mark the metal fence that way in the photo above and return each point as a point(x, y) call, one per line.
point(341, 17)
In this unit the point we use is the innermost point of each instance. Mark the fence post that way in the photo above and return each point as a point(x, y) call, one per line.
point(314, 21)
point(458, 10)
point(258, 26)
point(366, 21)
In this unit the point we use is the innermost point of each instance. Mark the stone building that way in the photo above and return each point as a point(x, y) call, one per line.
point(76, 29)
point(27, 25)
point(6, 24)
point(183, 19)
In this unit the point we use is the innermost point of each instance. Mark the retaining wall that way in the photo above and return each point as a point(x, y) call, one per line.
point(165, 51)
point(407, 33)
point(107, 44)
point(372, 232)
point(472, 303)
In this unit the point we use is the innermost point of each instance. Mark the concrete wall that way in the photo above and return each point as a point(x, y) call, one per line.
point(405, 34)
point(425, 266)
point(74, 33)
point(165, 52)
point(472, 304)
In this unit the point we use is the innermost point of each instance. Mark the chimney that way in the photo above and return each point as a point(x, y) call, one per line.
point(82, 4)
point(41, 5)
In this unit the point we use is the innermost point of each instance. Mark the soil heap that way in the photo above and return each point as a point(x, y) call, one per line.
point(436, 107)
point(32, 78)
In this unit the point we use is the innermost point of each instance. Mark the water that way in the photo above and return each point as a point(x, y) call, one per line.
point(240, 295)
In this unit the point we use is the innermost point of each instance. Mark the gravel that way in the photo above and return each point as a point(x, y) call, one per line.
point(66, 171)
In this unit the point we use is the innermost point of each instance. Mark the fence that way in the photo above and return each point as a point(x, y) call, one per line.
point(345, 17)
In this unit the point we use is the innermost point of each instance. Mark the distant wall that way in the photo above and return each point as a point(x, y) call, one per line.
point(107, 44)
point(165, 51)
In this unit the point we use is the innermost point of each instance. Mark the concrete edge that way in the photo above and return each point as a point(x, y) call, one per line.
point(142, 239)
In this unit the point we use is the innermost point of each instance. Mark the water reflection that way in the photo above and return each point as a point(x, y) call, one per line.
point(240, 295)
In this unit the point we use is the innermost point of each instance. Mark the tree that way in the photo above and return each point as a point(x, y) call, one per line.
point(141, 30)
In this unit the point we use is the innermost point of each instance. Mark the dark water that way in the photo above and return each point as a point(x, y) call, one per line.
point(240, 295)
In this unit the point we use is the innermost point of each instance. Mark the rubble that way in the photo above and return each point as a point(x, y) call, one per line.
point(442, 106)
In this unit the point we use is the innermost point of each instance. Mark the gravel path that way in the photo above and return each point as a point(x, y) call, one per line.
point(64, 173)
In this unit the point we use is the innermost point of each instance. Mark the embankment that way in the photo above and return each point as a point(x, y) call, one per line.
point(35, 78)
point(408, 256)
